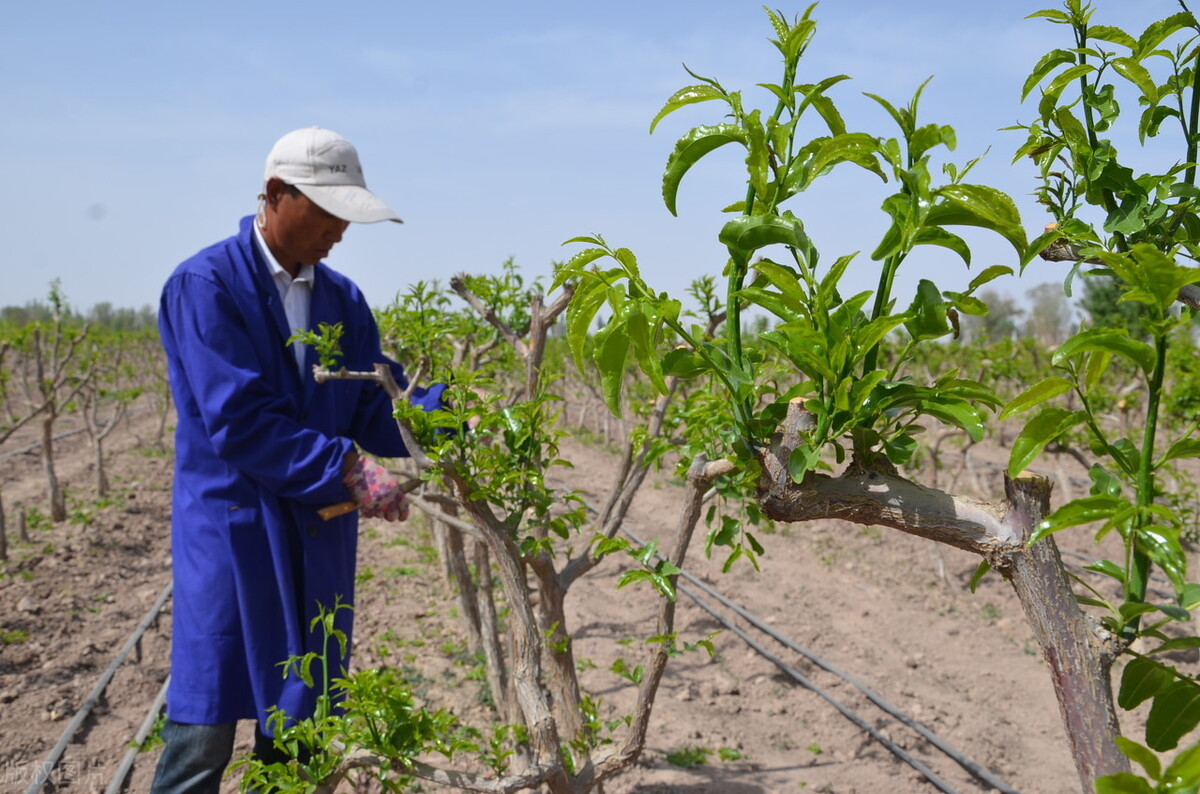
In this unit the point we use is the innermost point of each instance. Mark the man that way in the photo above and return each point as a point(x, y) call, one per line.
point(260, 448)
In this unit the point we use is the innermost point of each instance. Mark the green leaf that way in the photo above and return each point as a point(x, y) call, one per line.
point(1052, 14)
point(758, 152)
point(1048, 63)
point(1073, 514)
point(1142, 755)
point(1037, 245)
point(683, 363)
point(1152, 119)
point(1157, 32)
point(1178, 644)
point(967, 304)
point(632, 576)
point(928, 313)
point(978, 205)
point(970, 390)
point(1051, 93)
point(688, 151)
point(901, 117)
point(801, 461)
point(1133, 609)
point(1174, 612)
point(851, 147)
point(900, 449)
point(989, 274)
point(1037, 394)
point(1189, 596)
point(900, 207)
point(1072, 130)
point(687, 96)
point(958, 413)
point(980, 570)
point(1161, 545)
point(611, 352)
point(1174, 714)
point(641, 332)
point(1122, 783)
point(1185, 768)
point(1141, 680)
point(1107, 340)
point(1139, 75)
point(935, 236)
point(1111, 34)
point(829, 112)
point(1108, 568)
point(1047, 426)
point(581, 311)
point(746, 234)
point(929, 136)
point(1182, 448)
point(1097, 366)
point(814, 95)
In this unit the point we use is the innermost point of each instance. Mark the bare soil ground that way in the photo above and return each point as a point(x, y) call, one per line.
point(892, 610)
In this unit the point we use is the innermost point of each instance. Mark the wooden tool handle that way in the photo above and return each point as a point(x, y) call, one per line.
point(339, 509)
point(342, 508)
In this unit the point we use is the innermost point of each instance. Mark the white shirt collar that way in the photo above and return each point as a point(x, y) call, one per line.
point(280, 275)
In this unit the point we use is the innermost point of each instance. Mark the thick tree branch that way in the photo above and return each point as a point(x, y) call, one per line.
point(877, 497)
point(1063, 251)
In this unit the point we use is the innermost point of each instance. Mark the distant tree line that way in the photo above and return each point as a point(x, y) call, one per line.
point(102, 315)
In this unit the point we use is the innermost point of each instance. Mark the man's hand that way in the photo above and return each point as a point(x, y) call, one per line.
point(375, 490)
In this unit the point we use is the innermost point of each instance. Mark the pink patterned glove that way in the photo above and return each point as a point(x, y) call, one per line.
point(376, 491)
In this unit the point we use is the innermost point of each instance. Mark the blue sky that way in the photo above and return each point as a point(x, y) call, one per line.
point(136, 131)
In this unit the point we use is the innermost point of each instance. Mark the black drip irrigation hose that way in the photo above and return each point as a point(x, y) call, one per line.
point(117, 784)
point(978, 772)
point(42, 775)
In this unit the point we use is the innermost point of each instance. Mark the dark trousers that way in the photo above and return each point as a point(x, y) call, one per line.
point(195, 757)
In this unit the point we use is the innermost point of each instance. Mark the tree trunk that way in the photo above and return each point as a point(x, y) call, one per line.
point(58, 503)
point(490, 634)
point(102, 486)
point(563, 681)
point(1080, 663)
point(164, 410)
point(22, 524)
point(3, 532)
point(460, 577)
point(526, 661)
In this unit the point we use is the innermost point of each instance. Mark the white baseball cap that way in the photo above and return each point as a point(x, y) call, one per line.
point(324, 166)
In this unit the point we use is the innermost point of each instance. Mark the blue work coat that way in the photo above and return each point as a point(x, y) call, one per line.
point(258, 450)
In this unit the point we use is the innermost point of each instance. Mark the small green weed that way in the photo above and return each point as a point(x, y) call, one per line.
point(36, 519)
point(14, 637)
point(689, 757)
point(154, 738)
